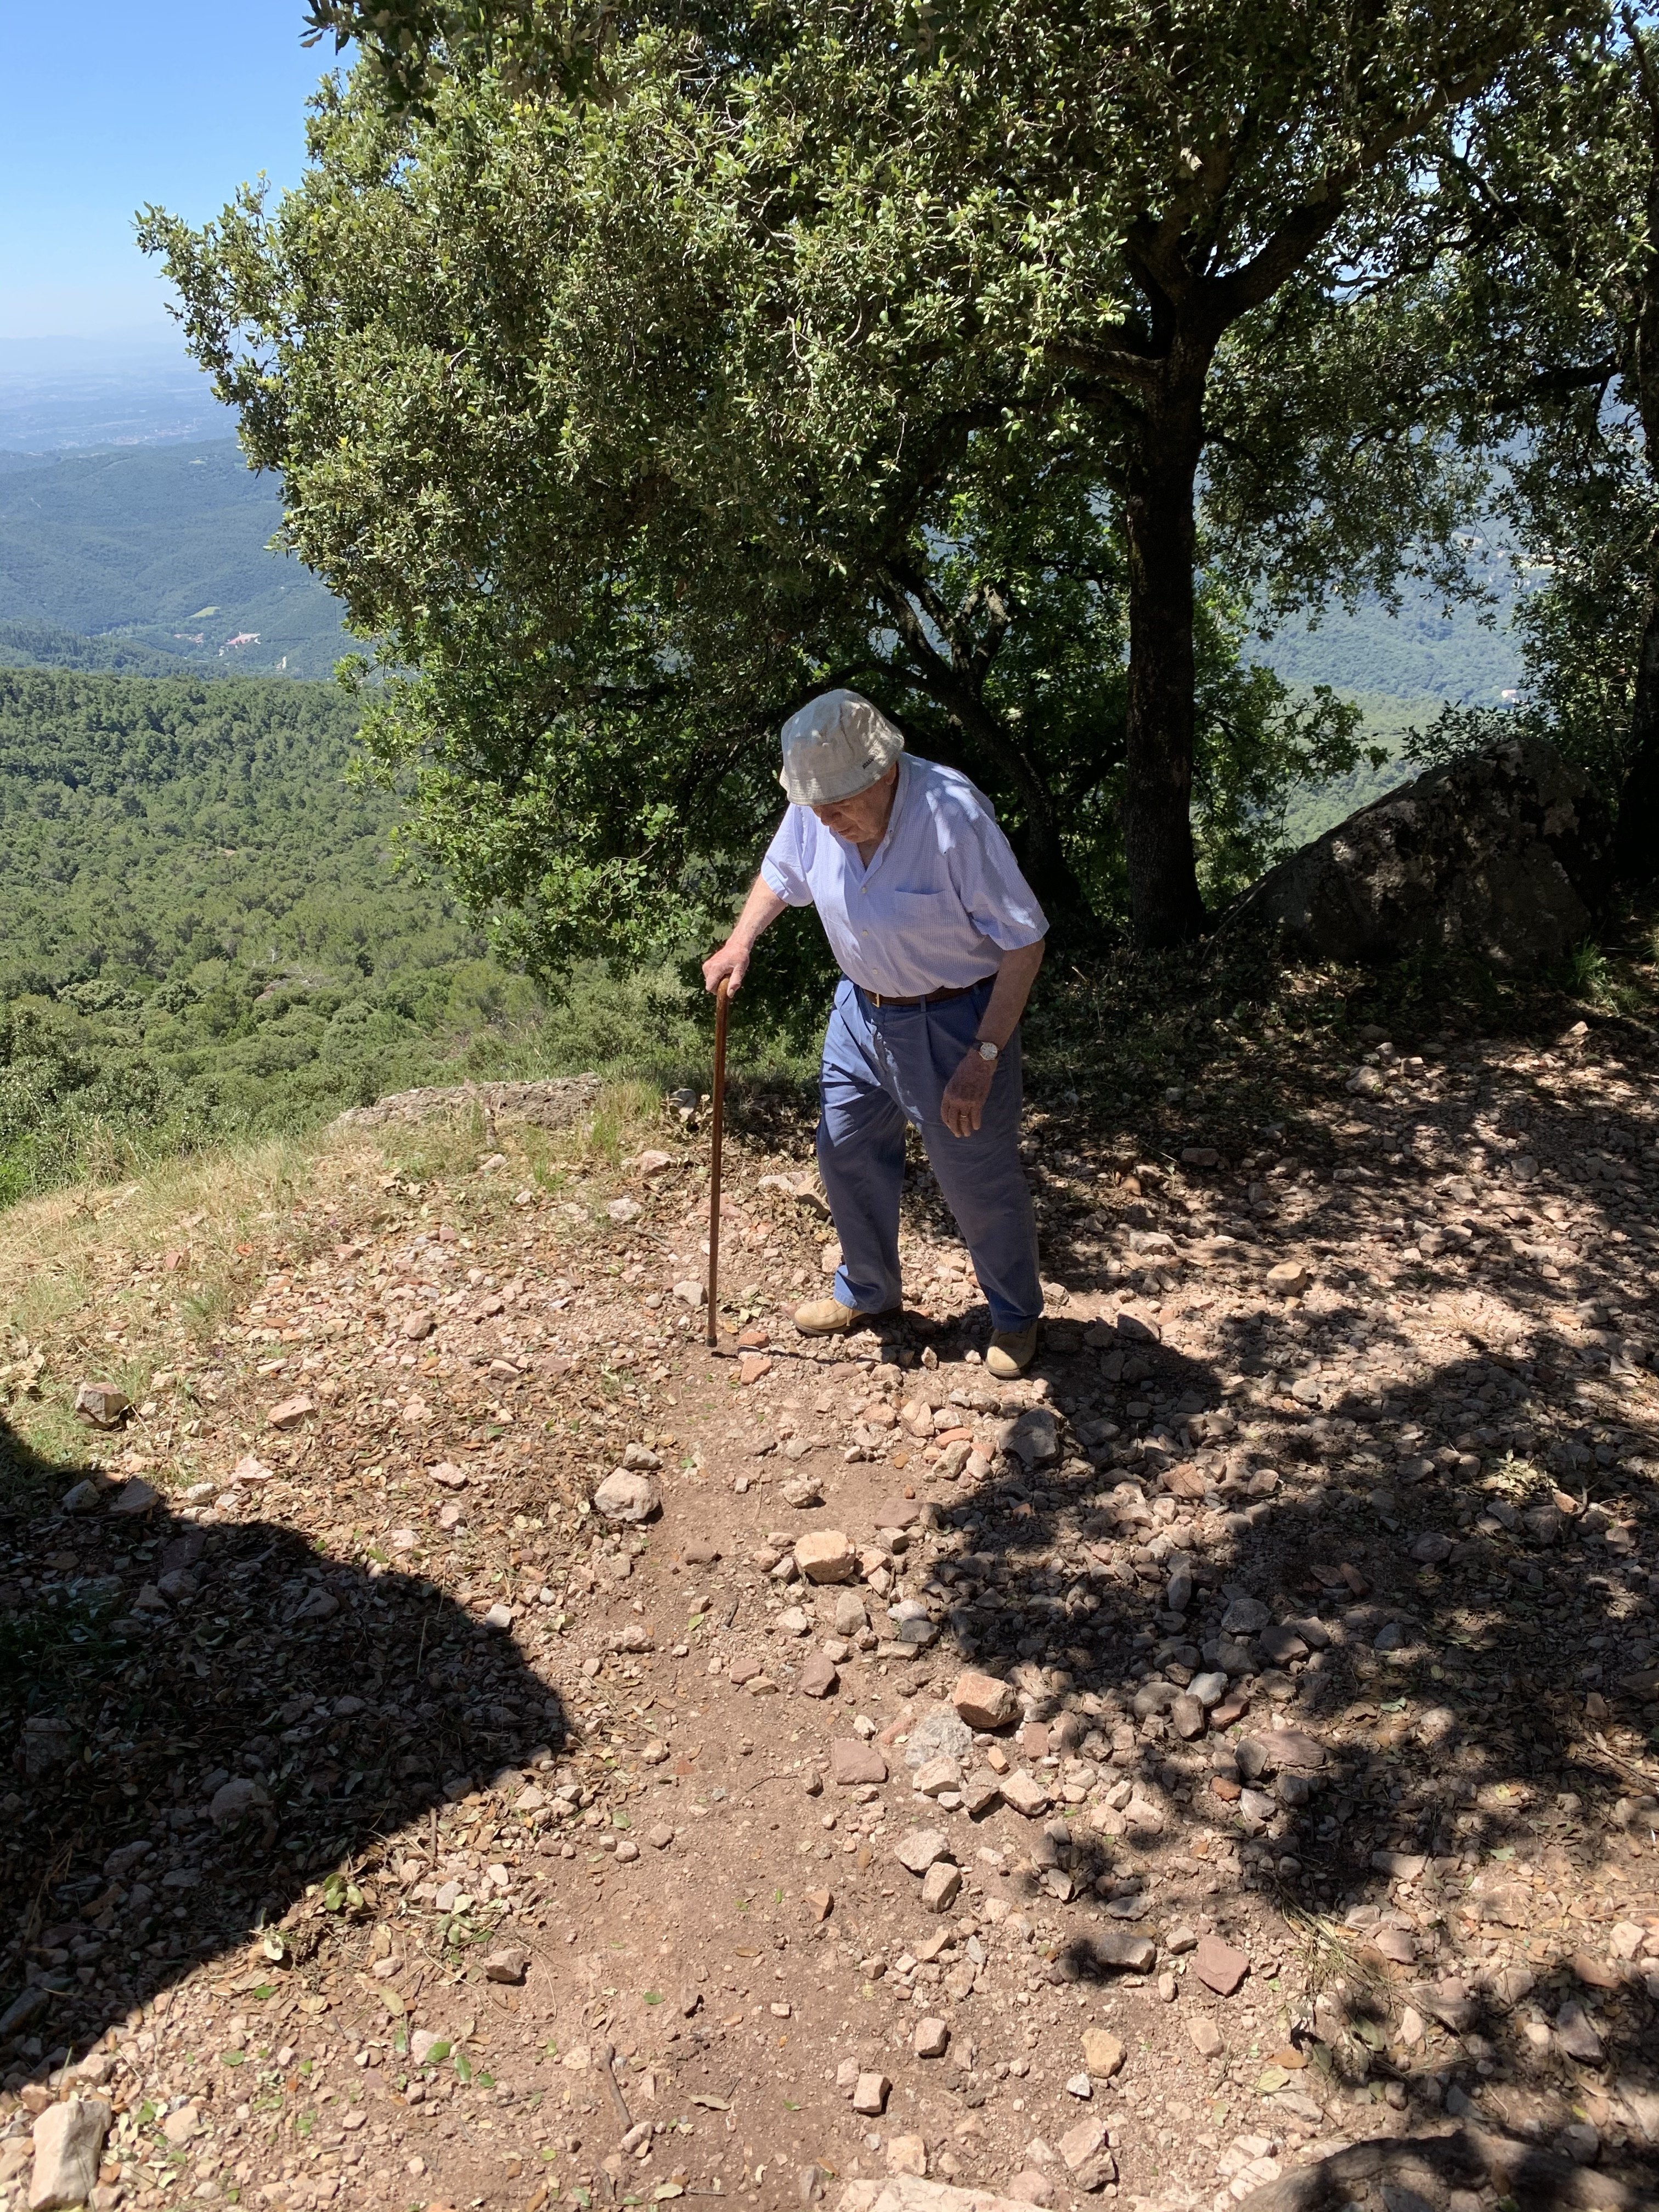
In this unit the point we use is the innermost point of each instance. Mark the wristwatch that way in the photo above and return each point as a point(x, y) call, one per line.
point(987, 1050)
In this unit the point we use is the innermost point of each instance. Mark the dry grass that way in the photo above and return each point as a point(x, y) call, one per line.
point(84, 1273)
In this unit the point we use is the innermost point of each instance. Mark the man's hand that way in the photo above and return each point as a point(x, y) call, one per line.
point(963, 1103)
point(732, 961)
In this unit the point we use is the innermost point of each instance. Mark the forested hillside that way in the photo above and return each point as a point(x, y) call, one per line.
point(167, 545)
point(202, 931)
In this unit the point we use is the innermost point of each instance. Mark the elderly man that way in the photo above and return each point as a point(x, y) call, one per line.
point(939, 939)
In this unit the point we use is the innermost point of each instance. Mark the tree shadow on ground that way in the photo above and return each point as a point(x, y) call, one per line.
point(202, 1719)
point(1444, 1587)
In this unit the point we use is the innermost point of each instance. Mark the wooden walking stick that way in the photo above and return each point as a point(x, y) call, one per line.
point(721, 996)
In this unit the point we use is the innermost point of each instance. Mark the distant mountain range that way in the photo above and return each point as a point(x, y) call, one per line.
point(158, 547)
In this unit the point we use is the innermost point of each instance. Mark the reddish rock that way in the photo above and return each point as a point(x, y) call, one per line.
point(819, 1678)
point(853, 1761)
point(1219, 1966)
point(983, 1701)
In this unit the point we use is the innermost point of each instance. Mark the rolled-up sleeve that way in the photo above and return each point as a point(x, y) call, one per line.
point(783, 871)
point(987, 878)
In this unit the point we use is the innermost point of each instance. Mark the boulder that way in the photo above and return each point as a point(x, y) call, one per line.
point(1502, 854)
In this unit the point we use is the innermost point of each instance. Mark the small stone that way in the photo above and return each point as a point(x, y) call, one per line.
point(794, 1622)
point(1282, 1645)
point(1031, 2185)
point(906, 2155)
point(921, 1848)
point(661, 1837)
point(1168, 1989)
point(933, 2037)
point(1180, 1939)
point(753, 1367)
point(818, 1677)
point(980, 1792)
point(870, 2094)
point(418, 1326)
point(1208, 1688)
point(1576, 2035)
point(499, 1616)
point(1079, 2144)
point(231, 1802)
point(1113, 1949)
point(1186, 1717)
point(84, 1497)
point(691, 1294)
point(983, 1701)
point(290, 1412)
point(938, 1735)
point(510, 1964)
point(180, 2124)
point(1395, 1943)
point(447, 1476)
point(826, 1556)
point(1079, 2085)
point(1244, 1616)
point(939, 1774)
point(624, 1210)
point(69, 2142)
point(1102, 2054)
point(627, 1851)
point(820, 1902)
point(1431, 1548)
point(106, 1405)
point(939, 1888)
point(133, 1498)
point(1218, 1966)
point(1024, 1794)
point(853, 1763)
point(628, 1494)
point(1204, 2035)
point(1289, 1280)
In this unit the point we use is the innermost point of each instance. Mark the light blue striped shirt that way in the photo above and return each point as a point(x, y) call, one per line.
point(941, 901)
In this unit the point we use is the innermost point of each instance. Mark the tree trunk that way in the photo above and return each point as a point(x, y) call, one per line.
point(1636, 838)
point(1158, 831)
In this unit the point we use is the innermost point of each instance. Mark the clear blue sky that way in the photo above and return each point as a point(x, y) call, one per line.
point(116, 102)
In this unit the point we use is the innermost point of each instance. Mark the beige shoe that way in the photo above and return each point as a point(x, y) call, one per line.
point(828, 1318)
point(1012, 1351)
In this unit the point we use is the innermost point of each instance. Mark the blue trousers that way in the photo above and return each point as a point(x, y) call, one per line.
point(887, 1065)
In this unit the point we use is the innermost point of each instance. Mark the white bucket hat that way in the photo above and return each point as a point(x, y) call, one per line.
point(834, 747)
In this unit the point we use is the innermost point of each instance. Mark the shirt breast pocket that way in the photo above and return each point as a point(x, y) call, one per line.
point(924, 915)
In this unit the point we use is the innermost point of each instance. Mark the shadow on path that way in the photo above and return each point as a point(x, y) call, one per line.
point(199, 1720)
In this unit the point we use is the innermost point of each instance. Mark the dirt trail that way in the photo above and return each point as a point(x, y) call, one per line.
point(369, 1787)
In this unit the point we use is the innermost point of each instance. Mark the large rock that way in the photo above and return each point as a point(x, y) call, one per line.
point(1502, 854)
point(69, 2142)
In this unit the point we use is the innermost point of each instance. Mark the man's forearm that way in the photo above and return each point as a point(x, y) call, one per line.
point(760, 910)
point(1015, 977)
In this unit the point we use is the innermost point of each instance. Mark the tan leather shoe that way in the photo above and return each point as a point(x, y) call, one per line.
point(1012, 1352)
point(828, 1318)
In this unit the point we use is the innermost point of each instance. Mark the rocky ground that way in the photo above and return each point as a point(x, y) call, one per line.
point(1231, 1743)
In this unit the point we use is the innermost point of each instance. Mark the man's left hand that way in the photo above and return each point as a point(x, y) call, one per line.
point(963, 1103)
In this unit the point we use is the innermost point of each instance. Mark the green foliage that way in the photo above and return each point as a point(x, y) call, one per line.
point(203, 933)
point(1542, 326)
point(167, 545)
point(628, 422)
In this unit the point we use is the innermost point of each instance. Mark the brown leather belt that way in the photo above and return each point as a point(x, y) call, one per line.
point(931, 999)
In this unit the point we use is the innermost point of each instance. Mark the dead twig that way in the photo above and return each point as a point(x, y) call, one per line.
point(605, 2054)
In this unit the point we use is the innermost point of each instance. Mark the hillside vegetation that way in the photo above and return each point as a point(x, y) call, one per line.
point(168, 546)
point(205, 933)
